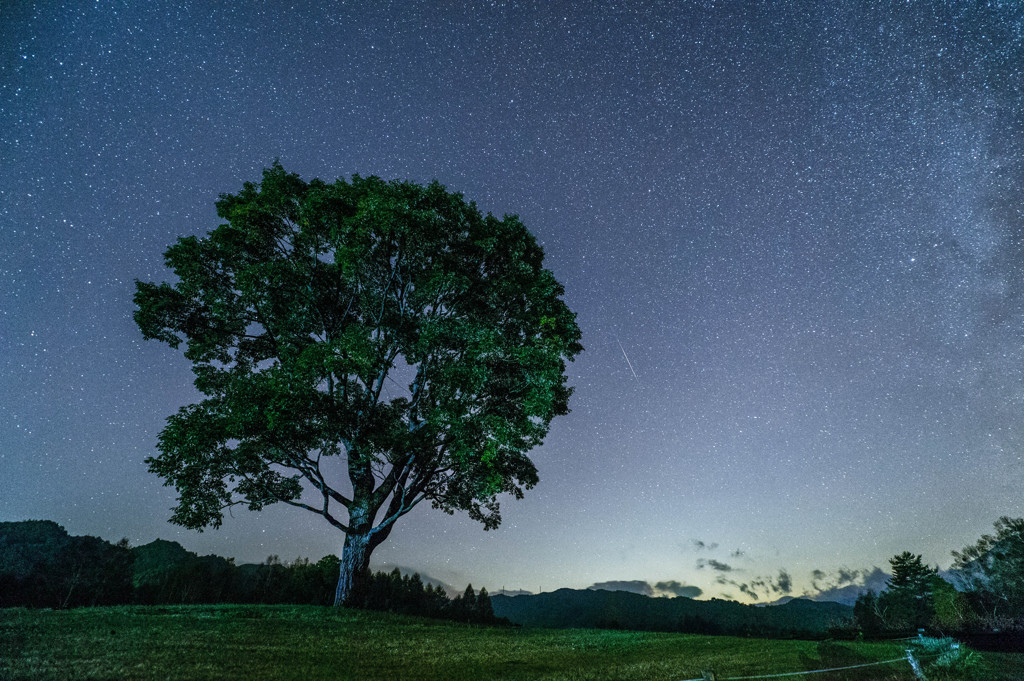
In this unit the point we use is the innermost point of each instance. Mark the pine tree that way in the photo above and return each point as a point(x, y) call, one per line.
point(415, 597)
point(484, 609)
point(907, 603)
point(469, 603)
point(865, 614)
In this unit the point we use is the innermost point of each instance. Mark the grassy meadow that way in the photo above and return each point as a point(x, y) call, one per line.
point(308, 642)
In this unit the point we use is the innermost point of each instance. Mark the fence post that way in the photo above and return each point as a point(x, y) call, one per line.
point(915, 665)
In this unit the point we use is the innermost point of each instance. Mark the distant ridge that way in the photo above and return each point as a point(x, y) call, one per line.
point(589, 609)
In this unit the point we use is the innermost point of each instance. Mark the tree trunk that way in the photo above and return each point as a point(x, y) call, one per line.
point(355, 561)
point(355, 558)
point(355, 555)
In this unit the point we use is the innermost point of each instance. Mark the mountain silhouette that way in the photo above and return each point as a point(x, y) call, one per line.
point(589, 609)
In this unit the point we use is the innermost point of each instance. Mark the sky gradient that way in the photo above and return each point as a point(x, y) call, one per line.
point(792, 233)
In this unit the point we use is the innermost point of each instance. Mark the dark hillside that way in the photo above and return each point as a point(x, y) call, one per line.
point(41, 565)
point(568, 608)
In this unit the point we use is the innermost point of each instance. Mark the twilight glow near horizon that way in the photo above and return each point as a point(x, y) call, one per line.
point(793, 234)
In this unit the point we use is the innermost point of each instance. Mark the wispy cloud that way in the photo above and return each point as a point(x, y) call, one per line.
point(674, 588)
point(669, 588)
point(745, 588)
point(783, 583)
point(845, 584)
point(635, 586)
point(842, 585)
point(761, 588)
point(716, 565)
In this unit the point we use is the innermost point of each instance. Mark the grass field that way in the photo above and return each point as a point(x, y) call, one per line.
point(305, 642)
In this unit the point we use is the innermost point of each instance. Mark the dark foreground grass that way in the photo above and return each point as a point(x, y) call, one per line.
point(306, 642)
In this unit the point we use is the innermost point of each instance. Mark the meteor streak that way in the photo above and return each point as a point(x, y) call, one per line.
point(627, 360)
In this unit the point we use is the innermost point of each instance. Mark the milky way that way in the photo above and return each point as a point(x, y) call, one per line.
point(792, 233)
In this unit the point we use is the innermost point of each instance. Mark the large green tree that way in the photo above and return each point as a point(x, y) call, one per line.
point(907, 602)
point(993, 569)
point(386, 324)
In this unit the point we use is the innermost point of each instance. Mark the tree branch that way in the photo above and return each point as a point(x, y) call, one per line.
point(331, 519)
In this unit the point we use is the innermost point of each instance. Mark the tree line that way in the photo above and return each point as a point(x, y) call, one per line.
point(406, 594)
point(42, 566)
point(984, 592)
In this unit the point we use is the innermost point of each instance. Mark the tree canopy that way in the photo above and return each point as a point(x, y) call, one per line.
point(908, 600)
point(386, 323)
point(993, 567)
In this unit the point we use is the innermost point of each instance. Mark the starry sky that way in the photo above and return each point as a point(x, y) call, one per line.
point(792, 233)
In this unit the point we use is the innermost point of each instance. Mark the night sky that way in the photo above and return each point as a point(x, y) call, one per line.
point(792, 233)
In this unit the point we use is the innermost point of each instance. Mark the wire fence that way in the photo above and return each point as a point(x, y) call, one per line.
point(909, 658)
